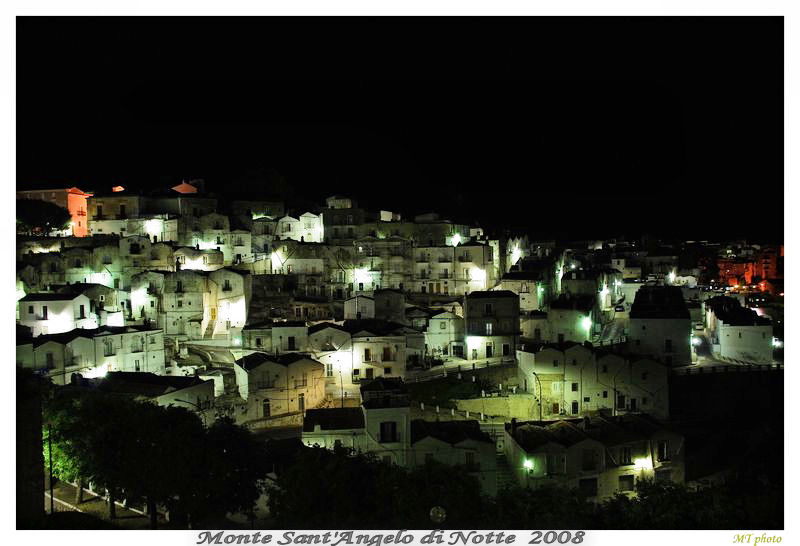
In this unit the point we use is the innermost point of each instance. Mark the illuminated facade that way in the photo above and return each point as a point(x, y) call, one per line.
point(601, 456)
point(72, 199)
point(491, 324)
point(572, 380)
point(55, 313)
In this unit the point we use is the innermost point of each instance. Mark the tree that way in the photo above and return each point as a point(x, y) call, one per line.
point(41, 217)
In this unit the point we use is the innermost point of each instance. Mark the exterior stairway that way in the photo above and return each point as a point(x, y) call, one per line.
point(209, 333)
point(505, 476)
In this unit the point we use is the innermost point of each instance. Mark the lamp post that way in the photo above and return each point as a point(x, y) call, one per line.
point(540, 393)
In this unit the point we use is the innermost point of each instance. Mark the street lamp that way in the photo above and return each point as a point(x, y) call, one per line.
point(540, 394)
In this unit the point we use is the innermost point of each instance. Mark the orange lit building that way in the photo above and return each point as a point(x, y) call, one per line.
point(736, 271)
point(72, 199)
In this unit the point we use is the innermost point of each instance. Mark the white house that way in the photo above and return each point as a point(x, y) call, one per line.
point(276, 385)
point(445, 335)
point(660, 325)
point(359, 307)
point(738, 333)
point(56, 313)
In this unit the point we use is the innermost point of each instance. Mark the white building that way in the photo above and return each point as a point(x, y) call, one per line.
point(55, 313)
point(382, 427)
point(444, 335)
point(275, 385)
point(660, 325)
point(738, 333)
point(570, 379)
point(359, 307)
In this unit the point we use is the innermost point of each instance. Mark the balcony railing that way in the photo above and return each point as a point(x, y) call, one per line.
point(464, 259)
point(443, 260)
point(445, 276)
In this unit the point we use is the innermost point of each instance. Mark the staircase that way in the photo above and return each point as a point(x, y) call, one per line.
point(209, 333)
point(505, 476)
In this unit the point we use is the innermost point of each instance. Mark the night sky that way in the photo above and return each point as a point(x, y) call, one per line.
point(579, 127)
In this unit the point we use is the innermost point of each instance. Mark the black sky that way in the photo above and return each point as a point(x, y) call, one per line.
point(577, 126)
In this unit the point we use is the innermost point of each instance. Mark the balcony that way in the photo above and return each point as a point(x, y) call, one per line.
point(423, 259)
point(443, 260)
point(445, 276)
point(464, 259)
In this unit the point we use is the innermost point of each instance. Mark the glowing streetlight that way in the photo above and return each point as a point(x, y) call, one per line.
point(528, 464)
point(586, 322)
point(456, 239)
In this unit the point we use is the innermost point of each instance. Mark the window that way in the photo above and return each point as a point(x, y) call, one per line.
point(44, 312)
point(291, 343)
point(469, 459)
point(367, 354)
point(604, 369)
point(328, 370)
point(620, 401)
point(180, 303)
point(574, 387)
point(555, 387)
point(740, 335)
point(152, 340)
point(388, 432)
point(625, 456)
point(152, 303)
point(442, 325)
point(506, 349)
point(586, 399)
point(555, 407)
point(605, 394)
point(387, 354)
point(489, 350)
point(487, 309)
point(49, 361)
point(136, 366)
point(555, 363)
point(488, 328)
point(663, 450)
point(575, 407)
point(356, 373)
point(663, 476)
point(387, 370)
point(626, 483)
point(30, 309)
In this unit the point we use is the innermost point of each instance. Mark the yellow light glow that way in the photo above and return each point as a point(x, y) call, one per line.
point(361, 274)
point(643, 463)
point(477, 274)
point(516, 254)
point(586, 322)
point(456, 239)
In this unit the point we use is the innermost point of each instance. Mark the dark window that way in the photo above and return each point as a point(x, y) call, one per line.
point(258, 342)
point(663, 476)
point(663, 450)
point(388, 432)
point(626, 483)
point(574, 387)
point(625, 455)
point(575, 407)
point(605, 394)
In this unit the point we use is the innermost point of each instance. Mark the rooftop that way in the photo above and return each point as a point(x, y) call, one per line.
point(333, 419)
